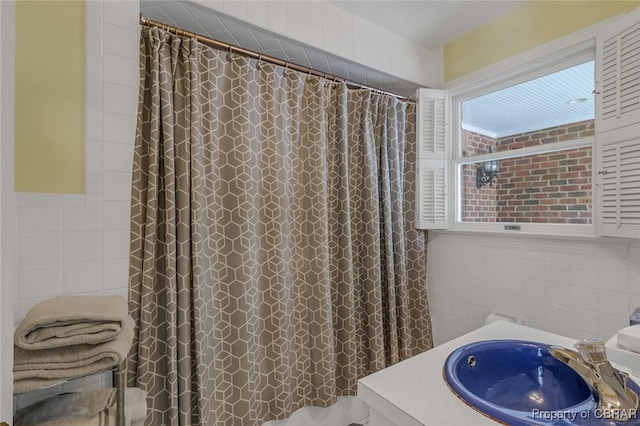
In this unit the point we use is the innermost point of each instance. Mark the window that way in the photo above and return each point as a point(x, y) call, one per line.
point(524, 152)
point(523, 157)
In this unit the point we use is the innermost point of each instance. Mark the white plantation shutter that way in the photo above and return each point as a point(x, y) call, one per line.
point(433, 133)
point(432, 123)
point(618, 74)
point(617, 154)
point(619, 183)
point(432, 196)
point(609, 185)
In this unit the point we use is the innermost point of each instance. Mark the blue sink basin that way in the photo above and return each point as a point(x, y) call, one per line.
point(519, 383)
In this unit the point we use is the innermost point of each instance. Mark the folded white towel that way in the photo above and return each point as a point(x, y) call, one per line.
point(37, 369)
point(72, 320)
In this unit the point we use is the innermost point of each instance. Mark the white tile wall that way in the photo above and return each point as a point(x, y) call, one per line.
point(576, 288)
point(72, 233)
point(38, 281)
point(39, 248)
point(82, 277)
point(78, 244)
point(82, 219)
point(328, 27)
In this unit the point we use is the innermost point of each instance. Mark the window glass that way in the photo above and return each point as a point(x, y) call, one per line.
point(545, 124)
point(550, 187)
point(513, 115)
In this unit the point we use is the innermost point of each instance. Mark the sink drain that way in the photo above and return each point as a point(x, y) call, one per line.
point(471, 361)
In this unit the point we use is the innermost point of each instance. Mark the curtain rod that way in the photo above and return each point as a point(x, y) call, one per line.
point(217, 44)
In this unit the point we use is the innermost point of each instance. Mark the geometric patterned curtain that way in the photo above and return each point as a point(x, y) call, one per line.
point(274, 260)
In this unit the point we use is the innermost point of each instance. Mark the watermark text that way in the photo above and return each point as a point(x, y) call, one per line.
point(571, 416)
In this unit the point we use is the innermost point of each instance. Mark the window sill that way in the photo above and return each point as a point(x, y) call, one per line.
point(531, 234)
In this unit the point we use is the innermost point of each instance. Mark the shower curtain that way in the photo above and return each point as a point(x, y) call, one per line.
point(273, 256)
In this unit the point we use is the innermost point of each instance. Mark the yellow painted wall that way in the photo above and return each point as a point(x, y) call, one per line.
point(49, 144)
point(526, 27)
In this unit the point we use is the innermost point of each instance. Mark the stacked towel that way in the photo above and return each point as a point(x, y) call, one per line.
point(96, 408)
point(72, 320)
point(70, 336)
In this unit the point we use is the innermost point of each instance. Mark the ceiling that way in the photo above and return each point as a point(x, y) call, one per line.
point(551, 100)
point(429, 23)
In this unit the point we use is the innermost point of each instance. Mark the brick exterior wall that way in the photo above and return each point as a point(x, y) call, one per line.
point(478, 205)
point(545, 188)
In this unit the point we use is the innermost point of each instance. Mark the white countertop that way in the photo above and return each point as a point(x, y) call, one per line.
point(414, 393)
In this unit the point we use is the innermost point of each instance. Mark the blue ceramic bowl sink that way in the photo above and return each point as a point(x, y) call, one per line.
point(519, 383)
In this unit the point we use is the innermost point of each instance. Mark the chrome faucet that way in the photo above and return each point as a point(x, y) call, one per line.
point(615, 400)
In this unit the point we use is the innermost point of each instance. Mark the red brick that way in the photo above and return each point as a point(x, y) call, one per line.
point(578, 128)
point(579, 154)
point(521, 178)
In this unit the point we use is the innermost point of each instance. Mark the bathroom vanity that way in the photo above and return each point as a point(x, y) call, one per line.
point(414, 392)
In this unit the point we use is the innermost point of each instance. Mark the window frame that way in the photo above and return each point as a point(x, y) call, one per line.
point(568, 58)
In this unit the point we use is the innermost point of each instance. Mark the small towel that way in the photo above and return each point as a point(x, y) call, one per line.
point(96, 408)
point(72, 320)
point(34, 370)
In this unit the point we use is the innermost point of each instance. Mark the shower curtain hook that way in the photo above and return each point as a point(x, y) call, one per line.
point(325, 80)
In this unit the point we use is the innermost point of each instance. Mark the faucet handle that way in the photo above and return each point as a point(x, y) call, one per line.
point(592, 350)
